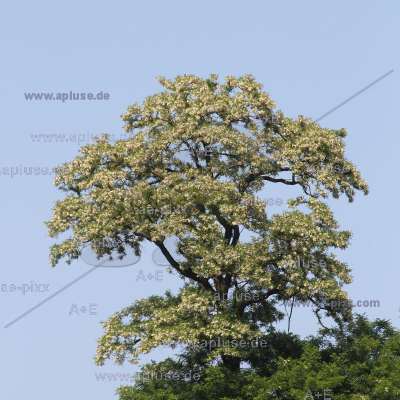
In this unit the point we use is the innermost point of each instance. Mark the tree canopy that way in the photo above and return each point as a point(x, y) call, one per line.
point(196, 161)
point(359, 362)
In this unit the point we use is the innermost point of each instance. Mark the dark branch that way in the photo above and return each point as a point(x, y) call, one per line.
point(280, 180)
point(188, 273)
point(236, 235)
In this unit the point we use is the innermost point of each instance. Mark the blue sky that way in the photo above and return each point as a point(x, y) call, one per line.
point(310, 56)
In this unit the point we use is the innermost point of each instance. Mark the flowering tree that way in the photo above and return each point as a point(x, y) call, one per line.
point(193, 165)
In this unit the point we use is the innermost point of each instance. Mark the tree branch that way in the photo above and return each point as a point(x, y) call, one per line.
point(188, 273)
point(280, 180)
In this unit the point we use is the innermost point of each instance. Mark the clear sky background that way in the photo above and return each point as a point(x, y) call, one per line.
point(310, 56)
